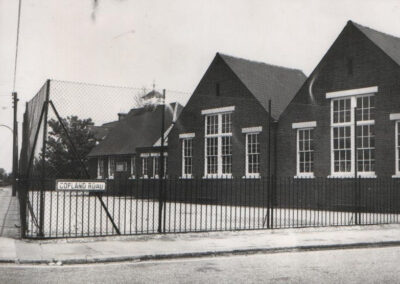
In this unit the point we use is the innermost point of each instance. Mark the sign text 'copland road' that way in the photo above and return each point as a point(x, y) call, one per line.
point(86, 185)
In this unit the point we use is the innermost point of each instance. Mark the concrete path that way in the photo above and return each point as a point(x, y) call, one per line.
point(139, 248)
point(9, 214)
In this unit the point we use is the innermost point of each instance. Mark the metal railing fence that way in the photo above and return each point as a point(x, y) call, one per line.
point(198, 205)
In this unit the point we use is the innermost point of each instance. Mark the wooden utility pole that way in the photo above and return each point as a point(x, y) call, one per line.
point(15, 146)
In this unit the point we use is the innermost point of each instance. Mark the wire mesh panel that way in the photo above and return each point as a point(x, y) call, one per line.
point(62, 125)
point(65, 122)
point(33, 117)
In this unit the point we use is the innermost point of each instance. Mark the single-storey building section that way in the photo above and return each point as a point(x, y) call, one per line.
point(132, 147)
point(345, 119)
point(223, 130)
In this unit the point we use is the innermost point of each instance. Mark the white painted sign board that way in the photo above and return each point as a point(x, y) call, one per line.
point(80, 185)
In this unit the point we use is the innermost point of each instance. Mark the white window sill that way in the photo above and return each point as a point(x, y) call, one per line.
point(303, 176)
point(361, 175)
point(396, 176)
point(132, 177)
point(186, 177)
point(368, 176)
point(252, 176)
point(110, 178)
point(144, 177)
point(218, 177)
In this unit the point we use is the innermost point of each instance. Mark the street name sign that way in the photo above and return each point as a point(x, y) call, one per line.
point(80, 185)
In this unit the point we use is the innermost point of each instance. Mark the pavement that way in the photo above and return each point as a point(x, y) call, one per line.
point(9, 214)
point(171, 246)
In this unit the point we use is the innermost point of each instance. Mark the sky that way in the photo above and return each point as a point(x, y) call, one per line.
point(169, 43)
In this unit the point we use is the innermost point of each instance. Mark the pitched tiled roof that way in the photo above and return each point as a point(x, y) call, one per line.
point(266, 82)
point(100, 132)
point(388, 43)
point(110, 124)
point(140, 128)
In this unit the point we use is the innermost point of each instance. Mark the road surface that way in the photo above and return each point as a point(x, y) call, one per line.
point(371, 265)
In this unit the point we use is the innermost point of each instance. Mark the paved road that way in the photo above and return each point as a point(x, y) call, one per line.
point(373, 265)
point(9, 214)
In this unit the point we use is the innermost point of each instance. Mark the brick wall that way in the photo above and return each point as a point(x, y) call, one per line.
point(370, 67)
point(248, 113)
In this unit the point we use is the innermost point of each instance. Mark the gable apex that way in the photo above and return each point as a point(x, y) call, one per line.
point(389, 44)
point(266, 82)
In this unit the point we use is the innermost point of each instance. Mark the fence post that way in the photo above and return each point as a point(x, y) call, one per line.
point(269, 165)
point(359, 200)
point(22, 188)
point(43, 177)
point(27, 164)
point(356, 196)
point(272, 200)
point(161, 168)
point(275, 173)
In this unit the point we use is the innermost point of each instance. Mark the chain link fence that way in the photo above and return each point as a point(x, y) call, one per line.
point(62, 124)
point(65, 121)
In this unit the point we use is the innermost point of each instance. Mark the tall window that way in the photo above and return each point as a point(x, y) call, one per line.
point(226, 154)
point(343, 127)
point(145, 169)
point(165, 165)
point(133, 167)
point(218, 145)
point(100, 168)
point(156, 165)
point(398, 148)
point(252, 155)
point(187, 157)
point(365, 134)
point(366, 148)
point(111, 167)
point(305, 152)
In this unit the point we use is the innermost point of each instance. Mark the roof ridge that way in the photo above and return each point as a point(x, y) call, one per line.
point(374, 30)
point(144, 107)
point(259, 62)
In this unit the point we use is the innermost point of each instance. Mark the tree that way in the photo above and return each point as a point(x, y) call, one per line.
point(62, 159)
point(5, 178)
point(3, 174)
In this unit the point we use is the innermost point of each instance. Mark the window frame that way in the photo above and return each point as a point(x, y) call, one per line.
point(145, 167)
point(219, 134)
point(396, 118)
point(99, 174)
point(183, 174)
point(155, 166)
point(298, 173)
point(397, 149)
point(165, 159)
point(133, 167)
point(247, 173)
point(111, 165)
point(353, 128)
